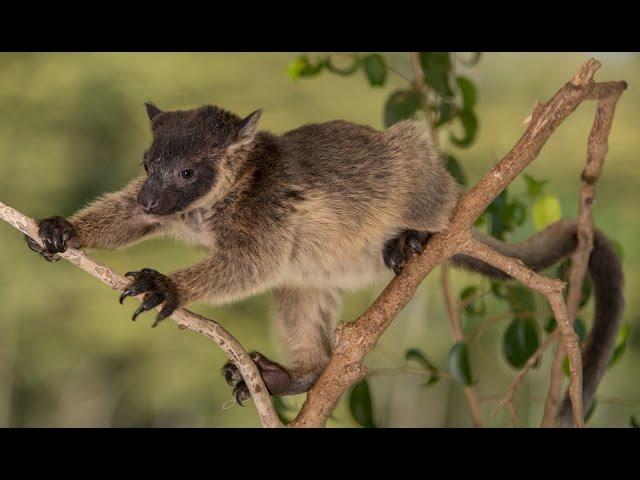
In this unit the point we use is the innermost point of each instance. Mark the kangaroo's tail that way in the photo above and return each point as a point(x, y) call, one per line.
point(543, 250)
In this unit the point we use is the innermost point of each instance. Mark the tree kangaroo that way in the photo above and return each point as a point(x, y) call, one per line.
point(319, 209)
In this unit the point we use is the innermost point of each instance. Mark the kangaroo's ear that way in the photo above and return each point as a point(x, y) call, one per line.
point(246, 134)
point(152, 110)
point(249, 125)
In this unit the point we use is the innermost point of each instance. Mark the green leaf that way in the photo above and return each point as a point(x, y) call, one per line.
point(621, 345)
point(517, 212)
point(498, 212)
point(633, 422)
point(500, 289)
point(470, 124)
point(446, 112)
point(419, 357)
point(475, 58)
point(475, 308)
point(454, 168)
point(521, 299)
point(580, 328)
point(459, 364)
point(437, 69)
point(349, 69)
point(376, 69)
point(534, 187)
point(469, 94)
point(432, 380)
point(520, 341)
point(401, 105)
point(546, 210)
point(360, 405)
point(550, 325)
point(301, 66)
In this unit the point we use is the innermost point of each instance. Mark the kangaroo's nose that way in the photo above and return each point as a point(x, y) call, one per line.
point(150, 206)
point(148, 201)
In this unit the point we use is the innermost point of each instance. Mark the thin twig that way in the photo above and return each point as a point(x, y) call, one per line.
point(607, 96)
point(184, 318)
point(507, 399)
point(487, 322)
point(400, 74)
point(472, 298)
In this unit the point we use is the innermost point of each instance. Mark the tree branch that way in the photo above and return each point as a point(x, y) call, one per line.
point(184, 318)
point(552, 289)
point(607, 96)
point(354, 340)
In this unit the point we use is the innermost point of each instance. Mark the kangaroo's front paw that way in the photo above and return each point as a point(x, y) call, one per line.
point(158, 289)
point(276, 378)
point(56, 234)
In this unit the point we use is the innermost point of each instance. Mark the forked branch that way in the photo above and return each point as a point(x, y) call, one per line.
point(354, 340)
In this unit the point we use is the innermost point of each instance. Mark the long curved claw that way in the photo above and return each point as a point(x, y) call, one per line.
point(157, 289)
point(124, 295)
point(138, 311)
point(128, 292)
point(416, 240)
point(59, 244)
point(165, 312)
point(231, 374)
point(228, 377)
point(32, 244)
point(49, 257)
point(161, 316)
point(415, 246)
point(238, 393)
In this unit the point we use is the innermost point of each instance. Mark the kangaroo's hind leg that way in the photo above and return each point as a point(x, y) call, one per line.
point(305, 318)
point(401, 247)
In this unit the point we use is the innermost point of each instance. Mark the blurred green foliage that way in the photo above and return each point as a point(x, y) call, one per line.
point(73, 126)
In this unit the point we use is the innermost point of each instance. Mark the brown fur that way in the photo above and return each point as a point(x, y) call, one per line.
point(306, 213)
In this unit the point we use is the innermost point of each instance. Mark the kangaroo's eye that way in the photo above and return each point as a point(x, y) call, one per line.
point(146, 168)
point(186, 174)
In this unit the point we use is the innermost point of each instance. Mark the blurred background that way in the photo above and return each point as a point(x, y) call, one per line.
point(73, 126)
